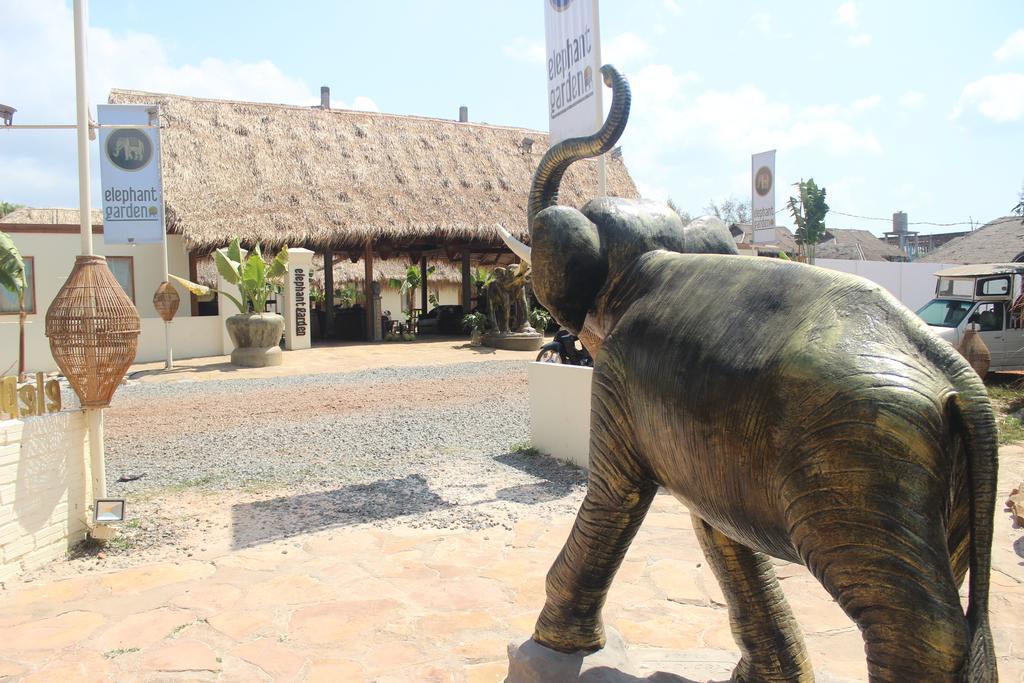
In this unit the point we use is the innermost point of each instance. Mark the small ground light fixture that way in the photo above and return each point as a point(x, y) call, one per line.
point(108, 510)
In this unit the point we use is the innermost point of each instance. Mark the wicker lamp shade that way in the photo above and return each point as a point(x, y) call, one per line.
point(166, 301)
point(93, 329)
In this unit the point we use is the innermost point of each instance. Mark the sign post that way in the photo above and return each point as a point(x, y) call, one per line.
point(132, 183)
point(762, 197)
point(574, 72)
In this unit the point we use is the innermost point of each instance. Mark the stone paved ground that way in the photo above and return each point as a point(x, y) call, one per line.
point(405, 604)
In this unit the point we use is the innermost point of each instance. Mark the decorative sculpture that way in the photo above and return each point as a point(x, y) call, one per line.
point(800, 413)
point(509, 310)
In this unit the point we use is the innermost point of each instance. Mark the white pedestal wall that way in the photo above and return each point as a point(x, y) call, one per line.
point(560, 411)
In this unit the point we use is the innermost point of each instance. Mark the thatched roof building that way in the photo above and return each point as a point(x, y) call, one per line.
point(337, 179)
point(784, 241)
point(26, 215)
point(998, 241)
point(857, 245)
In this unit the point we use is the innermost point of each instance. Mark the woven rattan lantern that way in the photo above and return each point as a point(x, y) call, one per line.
point(166, 301)
point(93, 329)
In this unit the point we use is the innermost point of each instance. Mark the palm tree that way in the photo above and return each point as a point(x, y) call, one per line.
point(408, 284)
point(12, 278)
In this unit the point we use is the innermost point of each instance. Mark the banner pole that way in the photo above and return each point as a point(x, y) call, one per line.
point(82, 112)
point(169, 362)
point(602, 177)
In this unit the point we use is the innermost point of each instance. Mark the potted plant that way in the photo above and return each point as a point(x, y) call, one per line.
point(475, 323)
point(255, 333)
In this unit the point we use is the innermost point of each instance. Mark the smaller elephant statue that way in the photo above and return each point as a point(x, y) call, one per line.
point(498, 300)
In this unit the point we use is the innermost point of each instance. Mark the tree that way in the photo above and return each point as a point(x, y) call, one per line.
point(408, 284)
point(683, 215)
point(7, 207)
point(809, 214)
point(730, 210)
point(1019, 209)
point(12, 278)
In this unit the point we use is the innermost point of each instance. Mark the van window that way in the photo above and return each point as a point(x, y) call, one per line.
point(993, 287)
point(990, 316)
point(944, 312)
point(950, 287)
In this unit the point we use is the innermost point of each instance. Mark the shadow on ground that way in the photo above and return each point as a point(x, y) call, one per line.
point(269, 520)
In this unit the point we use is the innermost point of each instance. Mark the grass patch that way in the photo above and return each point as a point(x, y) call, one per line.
point(111, 654)
point(1007, 395)
point(526, 449)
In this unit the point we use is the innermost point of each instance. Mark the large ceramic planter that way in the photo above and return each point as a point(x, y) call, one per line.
point(257, 339)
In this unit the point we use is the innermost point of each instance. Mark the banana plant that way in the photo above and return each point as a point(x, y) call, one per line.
point(12, 278)
point(256, 278)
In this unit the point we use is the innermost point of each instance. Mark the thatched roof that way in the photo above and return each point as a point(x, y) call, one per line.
point(743, 233)
point(857, 245)
point(306, 176)
point(26, 215)
point(997, 241)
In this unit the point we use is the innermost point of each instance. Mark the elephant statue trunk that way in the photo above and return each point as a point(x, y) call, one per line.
point(799, 413)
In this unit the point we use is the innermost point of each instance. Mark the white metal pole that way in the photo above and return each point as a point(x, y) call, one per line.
point(82, 103)
point(169, 362)
point(602, 178)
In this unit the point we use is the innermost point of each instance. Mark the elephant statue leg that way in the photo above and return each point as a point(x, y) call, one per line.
point(619, 493)
point(887, 564)
point(770, 641)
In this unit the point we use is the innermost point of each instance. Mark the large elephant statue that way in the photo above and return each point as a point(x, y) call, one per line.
point(799, 413)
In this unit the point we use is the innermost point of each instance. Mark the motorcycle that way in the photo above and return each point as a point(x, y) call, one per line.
point(566, 349)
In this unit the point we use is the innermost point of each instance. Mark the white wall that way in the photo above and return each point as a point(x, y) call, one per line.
point(42, 489)
point(54, 257)
point(560, 411)
point(190, 338)
point(911, 283)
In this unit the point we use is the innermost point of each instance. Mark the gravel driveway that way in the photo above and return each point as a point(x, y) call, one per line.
point(439, 446)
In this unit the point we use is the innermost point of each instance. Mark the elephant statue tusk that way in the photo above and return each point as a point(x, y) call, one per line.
point(517, 247)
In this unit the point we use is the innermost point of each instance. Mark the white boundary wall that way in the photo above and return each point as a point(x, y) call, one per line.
point(42, 489)
point(560, 411)
point(911, 283)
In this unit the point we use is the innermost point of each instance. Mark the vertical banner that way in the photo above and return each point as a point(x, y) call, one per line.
point(574, 68)
point(762, 196)
point(132, 190)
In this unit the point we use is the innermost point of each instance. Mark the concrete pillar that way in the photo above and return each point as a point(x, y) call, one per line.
point(295, 304)
point(329, 293)
point(467, 287)
point(226, 308)
point(423, 285)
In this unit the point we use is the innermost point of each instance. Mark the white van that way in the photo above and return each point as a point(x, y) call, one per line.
point(988, 295)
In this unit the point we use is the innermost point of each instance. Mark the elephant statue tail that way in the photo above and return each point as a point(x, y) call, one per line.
point(971, 411)
point(548, 177)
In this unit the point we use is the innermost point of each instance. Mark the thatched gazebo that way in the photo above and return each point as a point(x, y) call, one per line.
point(351, 184)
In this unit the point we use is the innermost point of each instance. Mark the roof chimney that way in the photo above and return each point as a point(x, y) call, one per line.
point(325, 97)
point(463, 114)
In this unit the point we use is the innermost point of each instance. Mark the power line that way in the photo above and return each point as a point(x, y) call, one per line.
point(888, 220)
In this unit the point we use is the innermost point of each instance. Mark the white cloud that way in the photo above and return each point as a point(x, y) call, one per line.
point(869, 102)
point(1012, 47)
point(911, 99)
point(847, 14)
point(672, 6)
point(999, 97)
point(624, 49)
point(859, 40)
point(525, 50)
point(762, 21)
point(41, 166)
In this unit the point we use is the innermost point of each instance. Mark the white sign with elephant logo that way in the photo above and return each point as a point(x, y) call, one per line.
point(130, 174)
point(573, 64)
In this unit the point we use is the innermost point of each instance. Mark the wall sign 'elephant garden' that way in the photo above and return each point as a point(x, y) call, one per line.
point(799, 413)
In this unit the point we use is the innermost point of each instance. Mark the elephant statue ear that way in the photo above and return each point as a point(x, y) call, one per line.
point(568, 266)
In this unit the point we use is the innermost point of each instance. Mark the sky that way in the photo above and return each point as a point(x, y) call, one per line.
point(912, 105)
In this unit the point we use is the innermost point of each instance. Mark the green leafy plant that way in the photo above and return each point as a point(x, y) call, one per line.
point(12, 278)
point(539, 319)
point(348, 296)
point(256, 278)
point(809, 210)
point(481, 277)
point(474, 322)
point(316, 292)
point(407, 284)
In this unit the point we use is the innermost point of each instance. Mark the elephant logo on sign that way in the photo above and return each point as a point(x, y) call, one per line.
point(129, 149)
